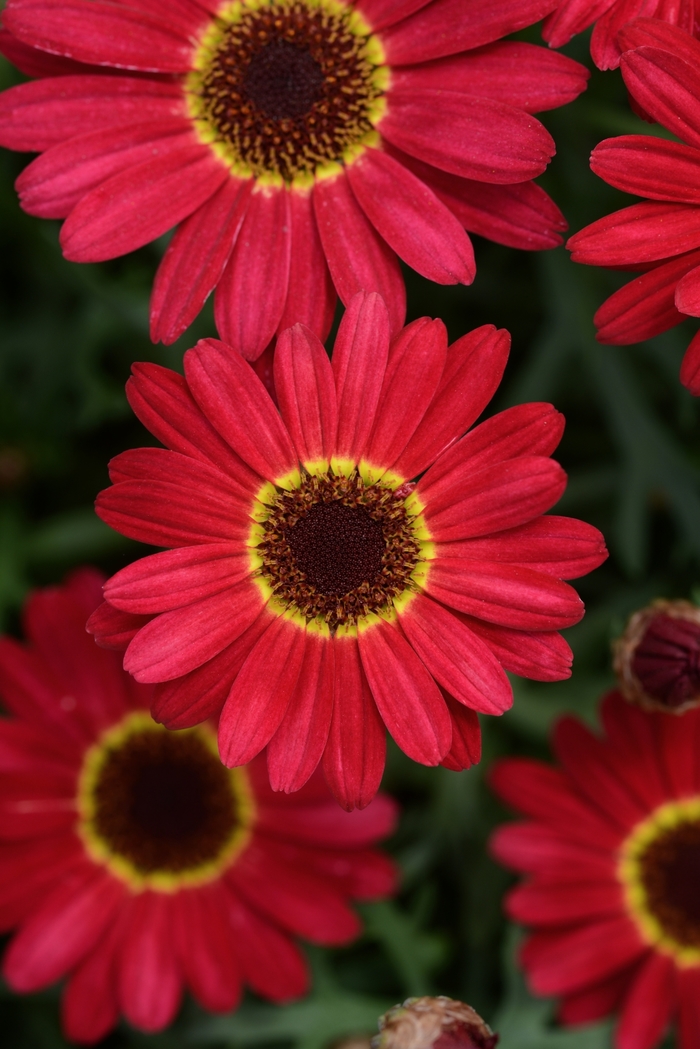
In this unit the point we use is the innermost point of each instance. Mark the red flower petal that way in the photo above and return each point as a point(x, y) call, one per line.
point(689, 998)
point(366, 874)
point(359, 363)
point(594, 1003)
point(678, 741)
point(235, 401)
point(645, 307)
point(690, 368)
point(468, 136)
point(466, 737)
point(89, 1007)
point(261, 693)
point(353, 761)
point(320, 824)
point(382, 13)
point(272, 965)
point(636, 739)
point(641, 233)
point(311, 296)
point(457, 658)
point(536, 849)
point(358, 258)
point(571, 17)
point(411, 219)
point(195, 260)
point(564, 961)
point(306, 394)
point(112, 628)
point(35, 63)
point(543, 656)
point(101, 33)
point(406, 695)
point(667, 88)
point(568, 904)
point(251, 295)
point(150, 978)
point(649, 167)
point(687, 297)
point(650, 1004)
point(605, 49)
point(136, 206)
point(206, 950)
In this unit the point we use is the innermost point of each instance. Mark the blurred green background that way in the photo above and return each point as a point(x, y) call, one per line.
point(68, 335)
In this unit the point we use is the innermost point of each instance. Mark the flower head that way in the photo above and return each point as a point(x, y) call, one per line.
point(657, 659)
point(314, 592)
point(302, 147)
point(433, 1023)
point(134, 863)
point(660, 238)
point(611, 851)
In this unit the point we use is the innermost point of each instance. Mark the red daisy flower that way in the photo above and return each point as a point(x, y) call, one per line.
point(134, 863)
point(314, 592)
point(573, 16)
point(612, 854)
point(661, 236)
point(303, 146)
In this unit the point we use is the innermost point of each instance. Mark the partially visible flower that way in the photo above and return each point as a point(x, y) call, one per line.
point(610, 16)
point(133, 863)
point(314, 593)
point(301, 147)
point(657, 658)
point(660, 237)
point(611, 854)
point(433, 1023)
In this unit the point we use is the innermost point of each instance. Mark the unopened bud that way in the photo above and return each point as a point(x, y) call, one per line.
point(657, 659)
point(433, 1023)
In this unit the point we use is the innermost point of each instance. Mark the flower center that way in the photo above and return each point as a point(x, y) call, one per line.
point(158, 808)
point(335, 549)
point(282, 88)
point(661, 872)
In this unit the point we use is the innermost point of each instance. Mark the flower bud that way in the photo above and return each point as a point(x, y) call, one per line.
point(657, 659)
point(433, 1023)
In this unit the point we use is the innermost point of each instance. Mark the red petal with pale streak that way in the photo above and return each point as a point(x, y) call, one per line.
point(411, 219)
point(594, 1003)
point(251, 295)
point(472, 373)
point(89, 1006)
point(382, 13)
point(101, 33)
point(468, 136)
point(160, 464)
point(457, 658)
point(161, 399)
point(365, 875)
point(688, 994)
point(564, 961)
point(261, 693)
point(150, 979)
point(406, 695)
point(358, 258)
point(311, 297)
point(500, 496)
point(466, 737)
point(301, 902)
point(201, 694)
point(28, 748)
point(644, 307)
point(649, 167)
point(237, 404)
point(417, 359)
point(649, 1005)
point(305, 390)
point(29, 692)
point(206, 951)
point(182, 640)
point(61, 931)
point(35, 63)
point(667, 87)
point(517, 74)
point(535, 849)
point(560, 546)
point(641, 233)
point(547, 794)
point(690, 368)
point(53, 184)
point(353, 761)
point(359, 363)
point(136, 206)
point(568, 904)
point(297, 746)
point(605, 50)
point(543, 656)
point(505, 594)
point(272, 965)
point(448, 26)
point(174, 578)
point(687, 297)
point(571, 17)
point(320, 824)
point(195, 259)
point(38, 115)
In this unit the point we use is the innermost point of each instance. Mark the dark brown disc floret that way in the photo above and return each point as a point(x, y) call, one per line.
point(670, 874)
point(337, 549)
point(287, 87)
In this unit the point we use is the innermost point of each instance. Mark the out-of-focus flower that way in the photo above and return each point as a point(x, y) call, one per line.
point(433, 1023)
point(303, 146)
point(314, 592)
point(661, 236)
point(657, 659)
point(612, 857)
point(134, 863)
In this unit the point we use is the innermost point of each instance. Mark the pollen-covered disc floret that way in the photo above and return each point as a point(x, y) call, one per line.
point(282, 88)
point(158, 808)
point(337, 549)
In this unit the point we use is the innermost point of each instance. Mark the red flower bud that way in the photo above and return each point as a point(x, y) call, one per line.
point(657, 659)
